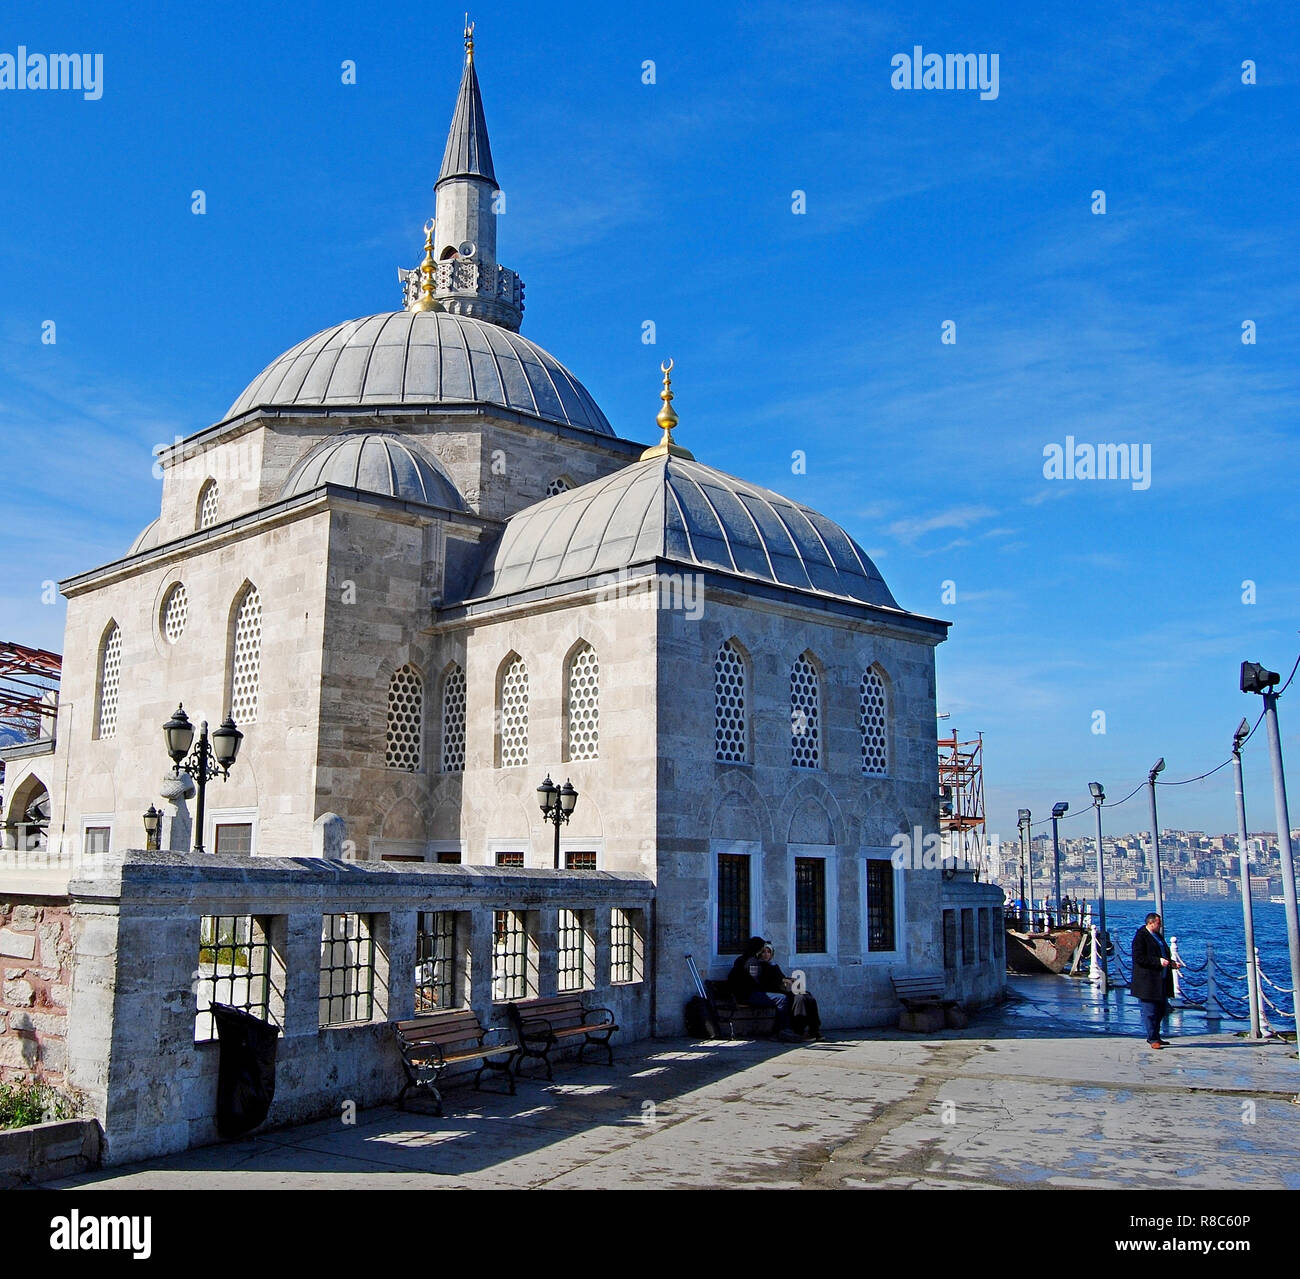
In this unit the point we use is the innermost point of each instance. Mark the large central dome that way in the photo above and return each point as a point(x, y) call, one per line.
point(424, 357)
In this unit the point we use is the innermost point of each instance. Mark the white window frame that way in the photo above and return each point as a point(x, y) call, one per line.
point(230, 817)
point(830, 855)
point(753, 849)
point(899, 954)
point(495, 846)
point(583, 846)
point(91, 821)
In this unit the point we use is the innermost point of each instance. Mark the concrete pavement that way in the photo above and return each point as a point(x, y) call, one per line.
point(1053, 1089)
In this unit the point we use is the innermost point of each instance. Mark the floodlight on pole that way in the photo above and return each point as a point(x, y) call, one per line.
point(1157, 884)
point(1243, 869)
point(1098, 794)
point(1058, 811)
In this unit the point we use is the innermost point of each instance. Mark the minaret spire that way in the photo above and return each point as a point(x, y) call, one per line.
point(667, 418)
point(469, 280)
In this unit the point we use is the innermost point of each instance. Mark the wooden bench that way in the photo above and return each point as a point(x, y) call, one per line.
point(542, 1024)
point(737, 1020)
point(925, 1008)
point(430, 1045)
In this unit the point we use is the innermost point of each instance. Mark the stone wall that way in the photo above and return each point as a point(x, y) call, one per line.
point(36, 973)
point(133, 1051)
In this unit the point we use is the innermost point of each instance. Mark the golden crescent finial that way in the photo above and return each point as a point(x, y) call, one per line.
point(667, 419)
point(469, 39)
point(428, 274)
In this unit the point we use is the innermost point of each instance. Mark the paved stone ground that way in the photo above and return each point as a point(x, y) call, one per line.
point(1053, 1089)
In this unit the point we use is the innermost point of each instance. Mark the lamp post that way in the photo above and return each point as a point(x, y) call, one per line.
point(1156, 768)
point(1058, 811)
point(152, 825)
point(1026, 871)
point(1243, 866)
point(1255, 679)
point(558, 803)
point(1098, 794)
point(211, 757)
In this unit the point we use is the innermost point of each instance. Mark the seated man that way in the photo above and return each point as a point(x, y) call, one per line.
point(804, 1017)
point(745, 980)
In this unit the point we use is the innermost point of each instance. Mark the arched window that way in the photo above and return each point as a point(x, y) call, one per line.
point(731, 713)
point(110, 671)
point(873, 720)
point(560, 484)
point(583, 703)
point(805, 714)
point(402, 746)
point(246, 658)
point(175, 612)
point(453, 721)
point(207, 507)
point(512, 713)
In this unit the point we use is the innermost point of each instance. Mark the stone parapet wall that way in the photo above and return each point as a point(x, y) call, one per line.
point(35, 987)
point(133, 1052)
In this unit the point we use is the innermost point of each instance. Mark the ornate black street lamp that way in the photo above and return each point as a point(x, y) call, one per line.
point(558, 803)
point(152, 826)
point(209, 759)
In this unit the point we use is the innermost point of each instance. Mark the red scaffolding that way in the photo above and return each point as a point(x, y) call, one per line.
point(961, 799)
point(29, 687)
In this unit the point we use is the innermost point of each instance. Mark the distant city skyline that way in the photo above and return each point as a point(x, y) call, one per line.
point(906, 309)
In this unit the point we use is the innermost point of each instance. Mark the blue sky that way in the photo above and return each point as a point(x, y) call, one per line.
point(817, 332)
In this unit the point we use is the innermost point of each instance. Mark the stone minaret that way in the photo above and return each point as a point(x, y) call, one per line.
point(469, 280)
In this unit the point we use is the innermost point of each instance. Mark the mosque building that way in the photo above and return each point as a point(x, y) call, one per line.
point(421, 572)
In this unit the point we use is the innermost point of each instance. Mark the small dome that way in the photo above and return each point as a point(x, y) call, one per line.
point(146, 539)
point(375, 462)
point(671, 509)
point(424, 357)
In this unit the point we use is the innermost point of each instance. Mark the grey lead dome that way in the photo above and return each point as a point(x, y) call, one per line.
point(424, 357)
point(375, 462)
point(681, 511)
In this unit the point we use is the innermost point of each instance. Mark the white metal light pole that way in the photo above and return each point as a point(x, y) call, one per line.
point(1243, 863)
point(1158, 767)
point(1255, 679)
point(1098, 798)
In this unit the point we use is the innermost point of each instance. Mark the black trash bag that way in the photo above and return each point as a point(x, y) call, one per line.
point(246, 1075)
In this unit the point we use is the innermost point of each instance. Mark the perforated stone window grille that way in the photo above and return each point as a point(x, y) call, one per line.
point(805, 715)
point(584, 704)
point(176, 612)
point(513, 709)
point(208, 499)
point(405, 721)
point(110, 672)
point(557, 486)
point(234, 968)
point(453, 721)
point(347, 969)
point(731, 724)
point(874, 723)
point(246, 663)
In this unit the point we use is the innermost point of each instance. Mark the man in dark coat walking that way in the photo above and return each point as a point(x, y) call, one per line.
point(1153, 978)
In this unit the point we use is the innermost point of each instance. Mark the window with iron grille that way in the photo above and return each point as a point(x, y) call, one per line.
point(584, 704)
point(730, 715)
point(512, 712)
point(448, 857)
point(626, 945)
point(509, 956)
point(577, 859)
point(453, 721)
point(880, 904)
point(810, 905)
point(234, 969)
point(234, 839)
point(510, 859)
point(435, 961)
point(110, 671)
point(950, 940)
point(967, 937)
point(575, 962)
point(984, 936)
point(733, 902)
point(404, 738)
point(347, 969)
point(805, 714)
point(873, 724)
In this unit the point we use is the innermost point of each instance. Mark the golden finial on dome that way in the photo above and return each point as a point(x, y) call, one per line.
point(428, 274)
point(667, 419)
point(469, 39)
